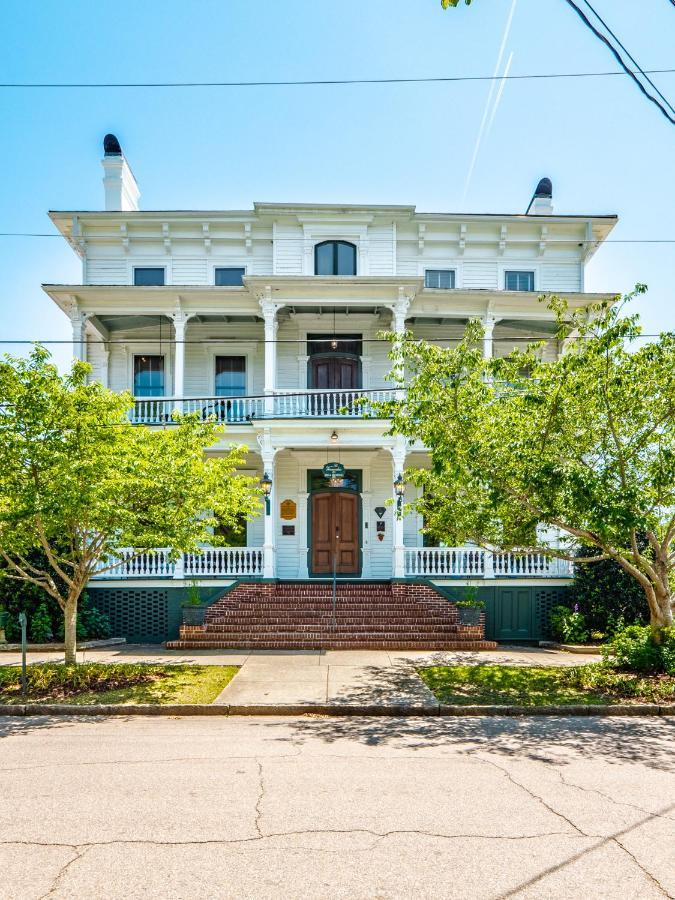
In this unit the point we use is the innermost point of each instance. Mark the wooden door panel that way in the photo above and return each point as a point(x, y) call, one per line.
point(335, 533)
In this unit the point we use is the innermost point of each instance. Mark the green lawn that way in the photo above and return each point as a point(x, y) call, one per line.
point(124, 683)
point(539, 686)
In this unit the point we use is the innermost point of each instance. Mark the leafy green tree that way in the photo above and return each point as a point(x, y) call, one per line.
point(584, 445)
point(78, 481)
point(446, 3)
point(40, 625)
point(607, 596)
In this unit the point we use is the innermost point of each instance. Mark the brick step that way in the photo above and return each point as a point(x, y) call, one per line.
point(331, 644)
point(356, 627)
point(323, 607)
point(341, 633)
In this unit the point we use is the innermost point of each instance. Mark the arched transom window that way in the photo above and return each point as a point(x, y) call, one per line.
point(335, 258)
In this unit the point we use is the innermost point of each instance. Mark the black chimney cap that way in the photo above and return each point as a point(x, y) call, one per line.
point(111, 146)
point(544, 188)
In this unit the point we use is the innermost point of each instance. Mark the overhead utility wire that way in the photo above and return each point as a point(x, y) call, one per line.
point(615, 53)
point(629, 55)
point(64, 85)
point(327, 340)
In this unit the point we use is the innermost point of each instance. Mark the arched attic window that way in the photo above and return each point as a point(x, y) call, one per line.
point(335, 258)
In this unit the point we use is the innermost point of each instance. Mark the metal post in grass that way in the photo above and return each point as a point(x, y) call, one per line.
point(23, 621)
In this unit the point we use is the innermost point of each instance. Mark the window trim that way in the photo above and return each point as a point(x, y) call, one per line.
point(535, 279)
point(216, 266)
point(134, 267)
point(336, 242)
point(444, 269)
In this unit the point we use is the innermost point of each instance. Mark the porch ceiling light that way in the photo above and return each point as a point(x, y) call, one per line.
point(334, 437)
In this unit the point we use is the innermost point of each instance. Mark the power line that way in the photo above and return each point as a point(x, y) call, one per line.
point(441, 79)
point(507, 339)
point(615, 53)
point(629, 55)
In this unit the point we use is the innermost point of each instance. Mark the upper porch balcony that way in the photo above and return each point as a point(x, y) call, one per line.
point(238, 410)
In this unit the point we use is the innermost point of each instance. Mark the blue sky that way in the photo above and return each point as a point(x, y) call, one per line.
point(604, 146)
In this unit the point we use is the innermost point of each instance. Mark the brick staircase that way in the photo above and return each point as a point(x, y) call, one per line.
point(299, 616)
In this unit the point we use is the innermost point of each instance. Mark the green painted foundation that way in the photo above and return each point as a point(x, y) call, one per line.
point(151, 615)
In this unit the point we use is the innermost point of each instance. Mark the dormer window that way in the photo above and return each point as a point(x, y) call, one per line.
point(335, 258)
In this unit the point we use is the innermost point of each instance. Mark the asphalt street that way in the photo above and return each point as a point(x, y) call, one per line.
point(315, 807)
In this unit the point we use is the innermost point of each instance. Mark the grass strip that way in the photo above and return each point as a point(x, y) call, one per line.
point(124, 683)
point(544, 686)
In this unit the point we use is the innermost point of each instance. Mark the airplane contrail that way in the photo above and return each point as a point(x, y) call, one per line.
point(493, 84)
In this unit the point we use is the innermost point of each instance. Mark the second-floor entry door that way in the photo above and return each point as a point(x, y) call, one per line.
point(334, 362)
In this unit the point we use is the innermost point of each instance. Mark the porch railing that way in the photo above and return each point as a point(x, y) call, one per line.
point(474, 562)
point(212, 561)
point(242, 410)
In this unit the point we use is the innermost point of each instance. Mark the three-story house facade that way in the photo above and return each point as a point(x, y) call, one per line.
point(270, 320)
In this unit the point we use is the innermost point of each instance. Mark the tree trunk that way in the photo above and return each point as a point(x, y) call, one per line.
point(70, 630)
point(661, 613)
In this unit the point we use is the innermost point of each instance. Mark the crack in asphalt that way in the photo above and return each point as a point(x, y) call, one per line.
point(261, 796)
point(588, 790)
point(637, 862)
point(534, 796)
point(79, 852)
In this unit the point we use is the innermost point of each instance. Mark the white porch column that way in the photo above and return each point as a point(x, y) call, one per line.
point(269, 311)
point(180, 320)
point(268, 454)
point(488, 323)
point(78, 321)
point(398, 454)
point(399, 311)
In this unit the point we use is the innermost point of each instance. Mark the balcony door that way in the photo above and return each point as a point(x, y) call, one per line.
point(328, 372)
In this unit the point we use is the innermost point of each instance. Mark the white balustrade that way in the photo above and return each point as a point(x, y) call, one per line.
point(212, 561)
point(130, 564)
point(246, 561)
point(466, 561)
point(328, 403)
point(471, 562)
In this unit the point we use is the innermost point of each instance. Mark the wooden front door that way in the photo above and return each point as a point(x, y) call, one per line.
point(334, 373)
point(335, 533)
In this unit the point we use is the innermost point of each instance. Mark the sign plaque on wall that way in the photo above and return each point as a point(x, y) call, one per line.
point(288, 509)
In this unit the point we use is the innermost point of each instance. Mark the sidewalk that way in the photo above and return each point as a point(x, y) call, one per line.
point(310, 677)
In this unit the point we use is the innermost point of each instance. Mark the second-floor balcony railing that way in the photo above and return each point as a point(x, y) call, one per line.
point(281, 404)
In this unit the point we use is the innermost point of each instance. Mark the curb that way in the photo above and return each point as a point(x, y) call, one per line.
point(53, 648)
point(338, 710)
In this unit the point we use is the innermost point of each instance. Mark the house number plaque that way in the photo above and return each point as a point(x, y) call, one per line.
point(288, 509)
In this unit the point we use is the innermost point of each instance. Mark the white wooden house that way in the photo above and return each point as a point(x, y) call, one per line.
point(269, 319)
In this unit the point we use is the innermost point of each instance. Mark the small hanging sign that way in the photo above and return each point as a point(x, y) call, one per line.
point(288, 509)
point(333, 470)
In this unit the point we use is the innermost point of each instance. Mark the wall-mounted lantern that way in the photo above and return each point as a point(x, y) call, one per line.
point(267, 490)
point(399, 490)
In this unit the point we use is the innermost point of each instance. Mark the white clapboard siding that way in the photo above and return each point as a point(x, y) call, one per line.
point(106, 271)
point(560, 277)
point(286, 479)
point(288, 250)
point(381, 250)
point(189, 270)
point(480, 274)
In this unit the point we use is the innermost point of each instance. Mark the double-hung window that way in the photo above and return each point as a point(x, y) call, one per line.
point(145, 276)
point(439, 278)
point(229, 276)
point(230, 376)
point(148, 376)
point(519, 281)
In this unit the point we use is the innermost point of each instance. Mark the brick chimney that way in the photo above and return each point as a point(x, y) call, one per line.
point(121, 190)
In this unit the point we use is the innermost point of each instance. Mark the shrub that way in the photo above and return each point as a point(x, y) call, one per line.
point(608, 597)
point(95, 623)
point(635, 650)
point(40, 625)
point(568, 625)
